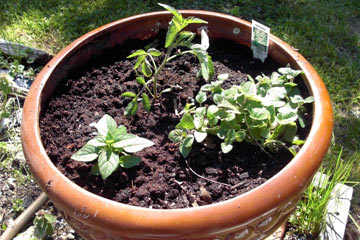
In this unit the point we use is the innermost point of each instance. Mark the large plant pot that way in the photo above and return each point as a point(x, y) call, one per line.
point(253, 215)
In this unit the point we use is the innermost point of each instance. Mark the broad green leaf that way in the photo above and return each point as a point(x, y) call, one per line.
point(190, 20)
point(225, 147)
point(201, 97)
point(221, 133)
point(154, 52)
point(223, 77)
point(108, 163)
point(176, 135)
point(105, 124)
point(146, 68)
point(133, 145)
point(128, 94)
point(139, 61)
point(140, 80)
point(187, 121)
point(248, 88)
point(289, 132)
point(200, 136)
point(146, 102)
point(198, 122)
point(259, 113)
point(131, 108)
point(293, 151)
point(217, 98)
point(185, 37)
point(87, 153)
point(297, 99)
point(176, 14)
point(50, 218)
point(309, 99)
point(211, 111)
point(230, 135)
point(298, 142)
point(139, 52)
point(286, 118)
point(171, 34)
point(200, 111)
point(240, 135)
point(188, 141)
point(184, 150)
point(98, 141)
point(129, 161)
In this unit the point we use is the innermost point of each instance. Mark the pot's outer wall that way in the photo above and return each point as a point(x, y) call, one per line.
point(253, 215)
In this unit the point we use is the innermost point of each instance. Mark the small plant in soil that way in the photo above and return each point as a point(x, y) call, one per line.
point(43, 223)
point(263, 112)
point(147, 68)
point(112, 147)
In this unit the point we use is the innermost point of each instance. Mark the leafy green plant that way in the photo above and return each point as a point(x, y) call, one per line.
point(309, 218)
point(263, 112)
point(112, 147)
point(147, 69)
point(18, 205)
point(43, 223)
point(5, 89)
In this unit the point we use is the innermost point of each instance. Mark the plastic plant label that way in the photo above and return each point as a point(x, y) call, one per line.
point(259, 40)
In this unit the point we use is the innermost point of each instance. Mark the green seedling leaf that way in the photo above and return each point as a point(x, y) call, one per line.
point(225, 147)
point(131, 108)
point(259, 113)
point(139, 52)
point(298, 142)
point(87, 153)
point(286, 118)
point(201, 97)
point(108, 163)
point(176, 135)
point(293, 151)
point(141, 80)
point(129, 161)
point(146, 102)
point(139, 61)
point(309, 99)
point(105, 124)
point(185, 145)
point(240, 135)
point(128, 94)
point(187, 121)
point(190, 20)
point(198, 122)
point(133, 145)
point(248, 88)
point(211, 111)
point(98, 141)
point(176, 14)
point(200, 136)
point(154, 52)
point(146, 68)
point(223, 77)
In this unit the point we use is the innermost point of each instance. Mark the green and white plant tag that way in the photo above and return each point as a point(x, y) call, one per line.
point(259, 40)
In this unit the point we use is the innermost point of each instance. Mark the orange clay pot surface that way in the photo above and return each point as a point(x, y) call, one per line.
point(253, 215)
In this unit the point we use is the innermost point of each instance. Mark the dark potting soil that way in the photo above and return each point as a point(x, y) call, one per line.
point(162, 180)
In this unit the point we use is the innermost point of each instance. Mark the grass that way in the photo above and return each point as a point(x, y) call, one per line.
point(326, 32)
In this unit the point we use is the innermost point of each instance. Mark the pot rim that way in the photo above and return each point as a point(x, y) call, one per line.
point(90, 207)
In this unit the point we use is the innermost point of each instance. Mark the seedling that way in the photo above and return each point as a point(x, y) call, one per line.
point(43, 223)
point(147, 69)
point(263, 113)
point(112, 147)
point(18, 205)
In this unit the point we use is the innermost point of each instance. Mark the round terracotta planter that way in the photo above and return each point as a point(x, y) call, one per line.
point(253, 215)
